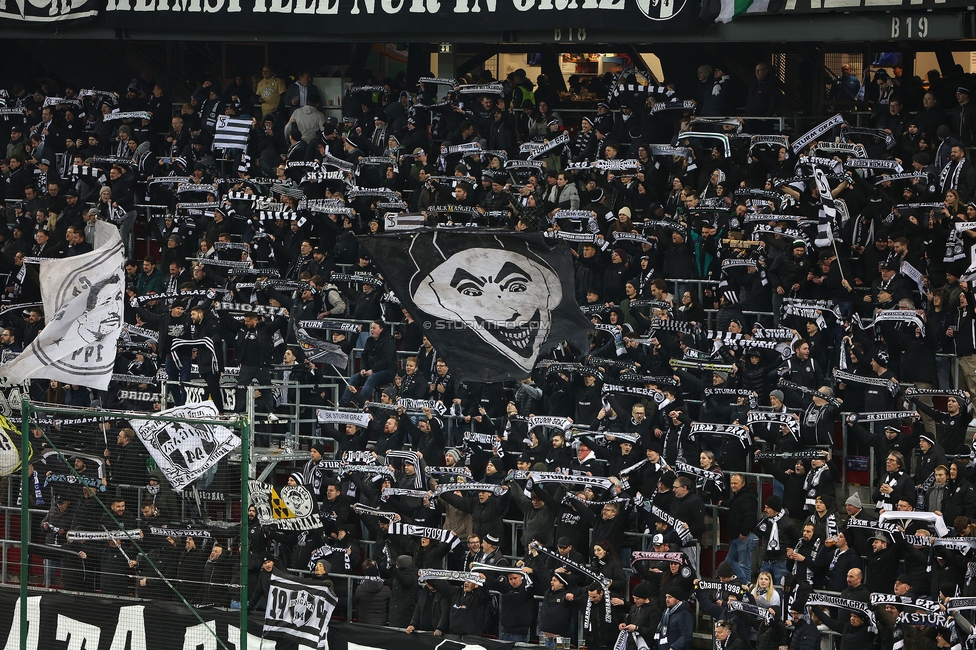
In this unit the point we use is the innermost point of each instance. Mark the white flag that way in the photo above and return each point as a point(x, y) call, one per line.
point(83, 305)
point(184, 451)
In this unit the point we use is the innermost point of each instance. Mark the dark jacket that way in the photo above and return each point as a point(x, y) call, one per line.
point(379, 354)
point(518, 608)
point(404, 597)
point(743, 507)
point(556, 615)
point(679, 627)
point(805, 637)
point(373, 598)
point(431, 612)
point(486, 517)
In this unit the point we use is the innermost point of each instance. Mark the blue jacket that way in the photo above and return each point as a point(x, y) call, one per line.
point(680, 628)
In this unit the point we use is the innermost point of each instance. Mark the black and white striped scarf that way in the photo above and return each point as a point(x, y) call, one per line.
point(598, 578)
point(737, 430)
point(951, 173)
point(439, 534)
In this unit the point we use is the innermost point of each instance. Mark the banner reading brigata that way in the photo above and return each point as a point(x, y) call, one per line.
point(403, 16)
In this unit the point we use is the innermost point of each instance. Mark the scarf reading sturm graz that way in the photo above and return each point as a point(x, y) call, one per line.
point(453, 471)
point(598, 578)
point(563, 424)
point(450, 576)
point(864, 609)
point(881, 416)
point(738, 392)
point(739, 431)
point(757, 417)
point(800, 143)
point(538, 478)
point(439, 534)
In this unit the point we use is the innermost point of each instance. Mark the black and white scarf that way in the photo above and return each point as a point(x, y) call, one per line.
point(376, 512)
point(951, 173)
point(538, 478)
point(450, 576)
point(598, 578)
point(660, 399)
point(862, 608)
point(738, 392)
point(756, 417)
point(813, 134)
point(770, 525)
point(881, 416)
point(762, 613)
point(680, 527)
point(848, 377)
point(810, 484)
point(439, 534)
point(703, 475)
point(702, 364)
point(737, 430)
point(497, 490)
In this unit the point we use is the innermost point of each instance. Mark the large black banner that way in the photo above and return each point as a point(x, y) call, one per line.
point(491, 301)
point(61, 621)
point(409, 17)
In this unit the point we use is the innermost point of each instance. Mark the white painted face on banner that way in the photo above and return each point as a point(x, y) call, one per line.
point(103, 315)
point(505, 297)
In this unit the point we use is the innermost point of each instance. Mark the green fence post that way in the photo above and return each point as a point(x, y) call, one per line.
point(24, 516)
point(245, 433)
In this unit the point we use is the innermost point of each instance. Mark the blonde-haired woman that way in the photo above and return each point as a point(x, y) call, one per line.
point(765, 592)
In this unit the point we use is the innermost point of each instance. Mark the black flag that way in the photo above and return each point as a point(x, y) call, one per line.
point(491, 301)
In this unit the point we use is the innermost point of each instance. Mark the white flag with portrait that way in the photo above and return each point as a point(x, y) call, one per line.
point(184, 451)
point(83, 305)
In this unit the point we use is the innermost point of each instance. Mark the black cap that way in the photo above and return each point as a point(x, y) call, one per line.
point(564, 542)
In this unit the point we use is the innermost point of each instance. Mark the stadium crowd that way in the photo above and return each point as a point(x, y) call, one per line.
point(684, 225)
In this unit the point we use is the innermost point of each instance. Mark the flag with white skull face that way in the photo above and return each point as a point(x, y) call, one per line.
point(183, 451)
point(491, 301)
point(298, 611)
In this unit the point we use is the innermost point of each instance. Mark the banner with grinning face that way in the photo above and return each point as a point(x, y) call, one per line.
point(491, 301)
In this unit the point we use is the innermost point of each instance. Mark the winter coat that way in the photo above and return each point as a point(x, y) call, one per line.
point(373, 598)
